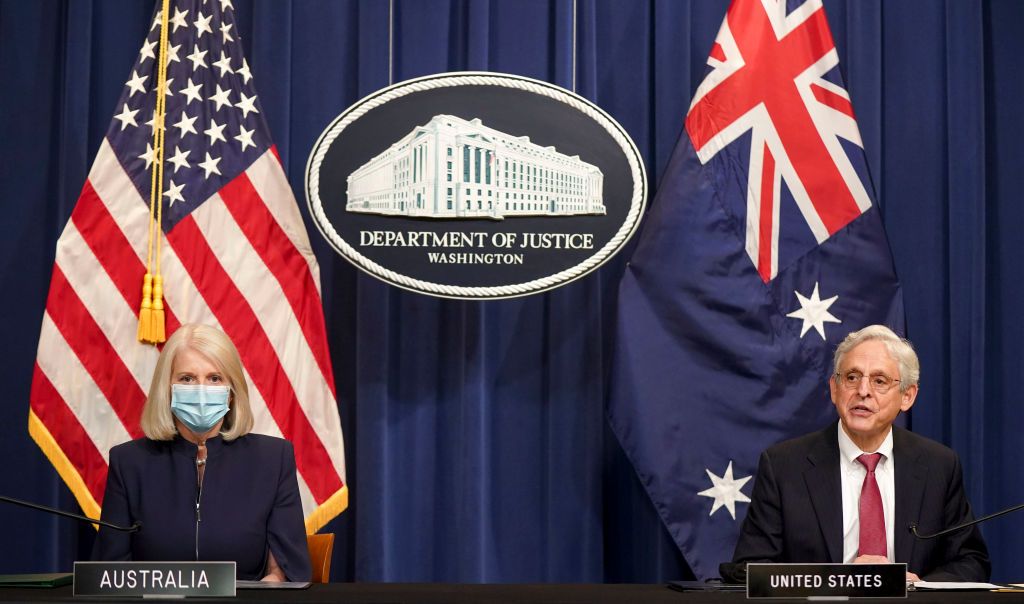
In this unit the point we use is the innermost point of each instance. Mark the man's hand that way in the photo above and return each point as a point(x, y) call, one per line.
point(871, 560)
point(911, 577)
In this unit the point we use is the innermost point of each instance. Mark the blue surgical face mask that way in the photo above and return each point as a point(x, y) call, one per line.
point(199, 406)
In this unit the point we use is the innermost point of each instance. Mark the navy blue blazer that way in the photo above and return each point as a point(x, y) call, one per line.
point(249, 502)
point(796, 509)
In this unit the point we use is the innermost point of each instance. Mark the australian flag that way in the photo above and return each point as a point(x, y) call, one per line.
point(763, 248)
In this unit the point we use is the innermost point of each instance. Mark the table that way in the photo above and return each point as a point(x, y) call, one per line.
point(450, 593)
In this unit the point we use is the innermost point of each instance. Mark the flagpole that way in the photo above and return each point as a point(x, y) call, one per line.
point(391, 42)
point(574, 6)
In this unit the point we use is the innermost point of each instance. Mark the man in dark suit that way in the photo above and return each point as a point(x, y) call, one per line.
point(848, 492)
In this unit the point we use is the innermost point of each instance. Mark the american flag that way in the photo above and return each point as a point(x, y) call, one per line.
point(235, 255)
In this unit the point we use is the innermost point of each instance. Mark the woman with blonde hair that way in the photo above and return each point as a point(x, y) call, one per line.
point(201, 485)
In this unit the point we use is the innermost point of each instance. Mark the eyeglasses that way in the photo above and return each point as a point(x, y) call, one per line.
point(878, 382)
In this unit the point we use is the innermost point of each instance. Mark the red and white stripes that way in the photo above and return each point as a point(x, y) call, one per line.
point(242, 262)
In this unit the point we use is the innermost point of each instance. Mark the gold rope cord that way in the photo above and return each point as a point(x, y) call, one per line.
point(151, 314)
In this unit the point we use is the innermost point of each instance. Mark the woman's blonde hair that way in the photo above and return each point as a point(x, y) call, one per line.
point(157, 420)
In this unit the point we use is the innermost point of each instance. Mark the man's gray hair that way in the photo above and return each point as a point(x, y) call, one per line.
point(900, 349)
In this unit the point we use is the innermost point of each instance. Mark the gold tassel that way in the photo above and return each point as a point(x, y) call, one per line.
point(146, 312)
point(157, 329)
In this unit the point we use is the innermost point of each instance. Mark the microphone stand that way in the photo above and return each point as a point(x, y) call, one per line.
point(130, 529)
point(913, 525)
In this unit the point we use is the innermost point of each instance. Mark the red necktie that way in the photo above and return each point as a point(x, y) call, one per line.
point(872, 520)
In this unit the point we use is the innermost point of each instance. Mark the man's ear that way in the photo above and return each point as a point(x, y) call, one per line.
point(908, 397)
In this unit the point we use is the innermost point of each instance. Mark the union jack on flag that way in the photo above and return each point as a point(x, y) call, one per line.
point(773, 74)
point(235, 255)
point(762, 249)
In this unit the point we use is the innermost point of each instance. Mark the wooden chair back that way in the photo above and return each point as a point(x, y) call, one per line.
point(321, 545)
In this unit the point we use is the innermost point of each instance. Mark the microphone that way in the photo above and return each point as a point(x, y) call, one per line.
point(913, 525)
point(35, 506)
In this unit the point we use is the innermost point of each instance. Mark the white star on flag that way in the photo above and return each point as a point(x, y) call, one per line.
point(178, 20)
point(203, 25)
point(247, 105)
point(149, 155)
point(127, 117)
point(147, 51)
point(179, 159)
point(245, 137)
point(172, 53)
point(152, 123)
point(191, 92)
point(198, 58)
point(221, 97)
point(726, 491)
point(215, 132)
point(244, 71)
point(185, 124)
point(173, 192)
point(814, 312)
point(136, 83)
point(210, 165)
point(224, 64)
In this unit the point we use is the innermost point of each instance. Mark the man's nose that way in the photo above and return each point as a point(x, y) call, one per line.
point(863, 388)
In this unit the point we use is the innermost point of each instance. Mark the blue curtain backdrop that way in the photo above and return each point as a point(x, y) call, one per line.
point(477, 443)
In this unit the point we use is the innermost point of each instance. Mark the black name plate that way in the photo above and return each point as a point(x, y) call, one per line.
point(806, 580)
point(209, 579)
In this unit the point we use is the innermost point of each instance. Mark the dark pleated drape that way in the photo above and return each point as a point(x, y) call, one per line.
point(476, 438)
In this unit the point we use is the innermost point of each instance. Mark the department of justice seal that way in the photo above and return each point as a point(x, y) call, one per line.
point(476, 185)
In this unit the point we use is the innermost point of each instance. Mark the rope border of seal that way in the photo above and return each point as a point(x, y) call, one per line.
point(453, 79)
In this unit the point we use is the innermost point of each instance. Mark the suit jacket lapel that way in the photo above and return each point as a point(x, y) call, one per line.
point(909, 474)
point(822, 480)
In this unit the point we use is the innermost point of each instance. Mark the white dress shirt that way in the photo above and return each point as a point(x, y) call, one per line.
point(852, 474)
